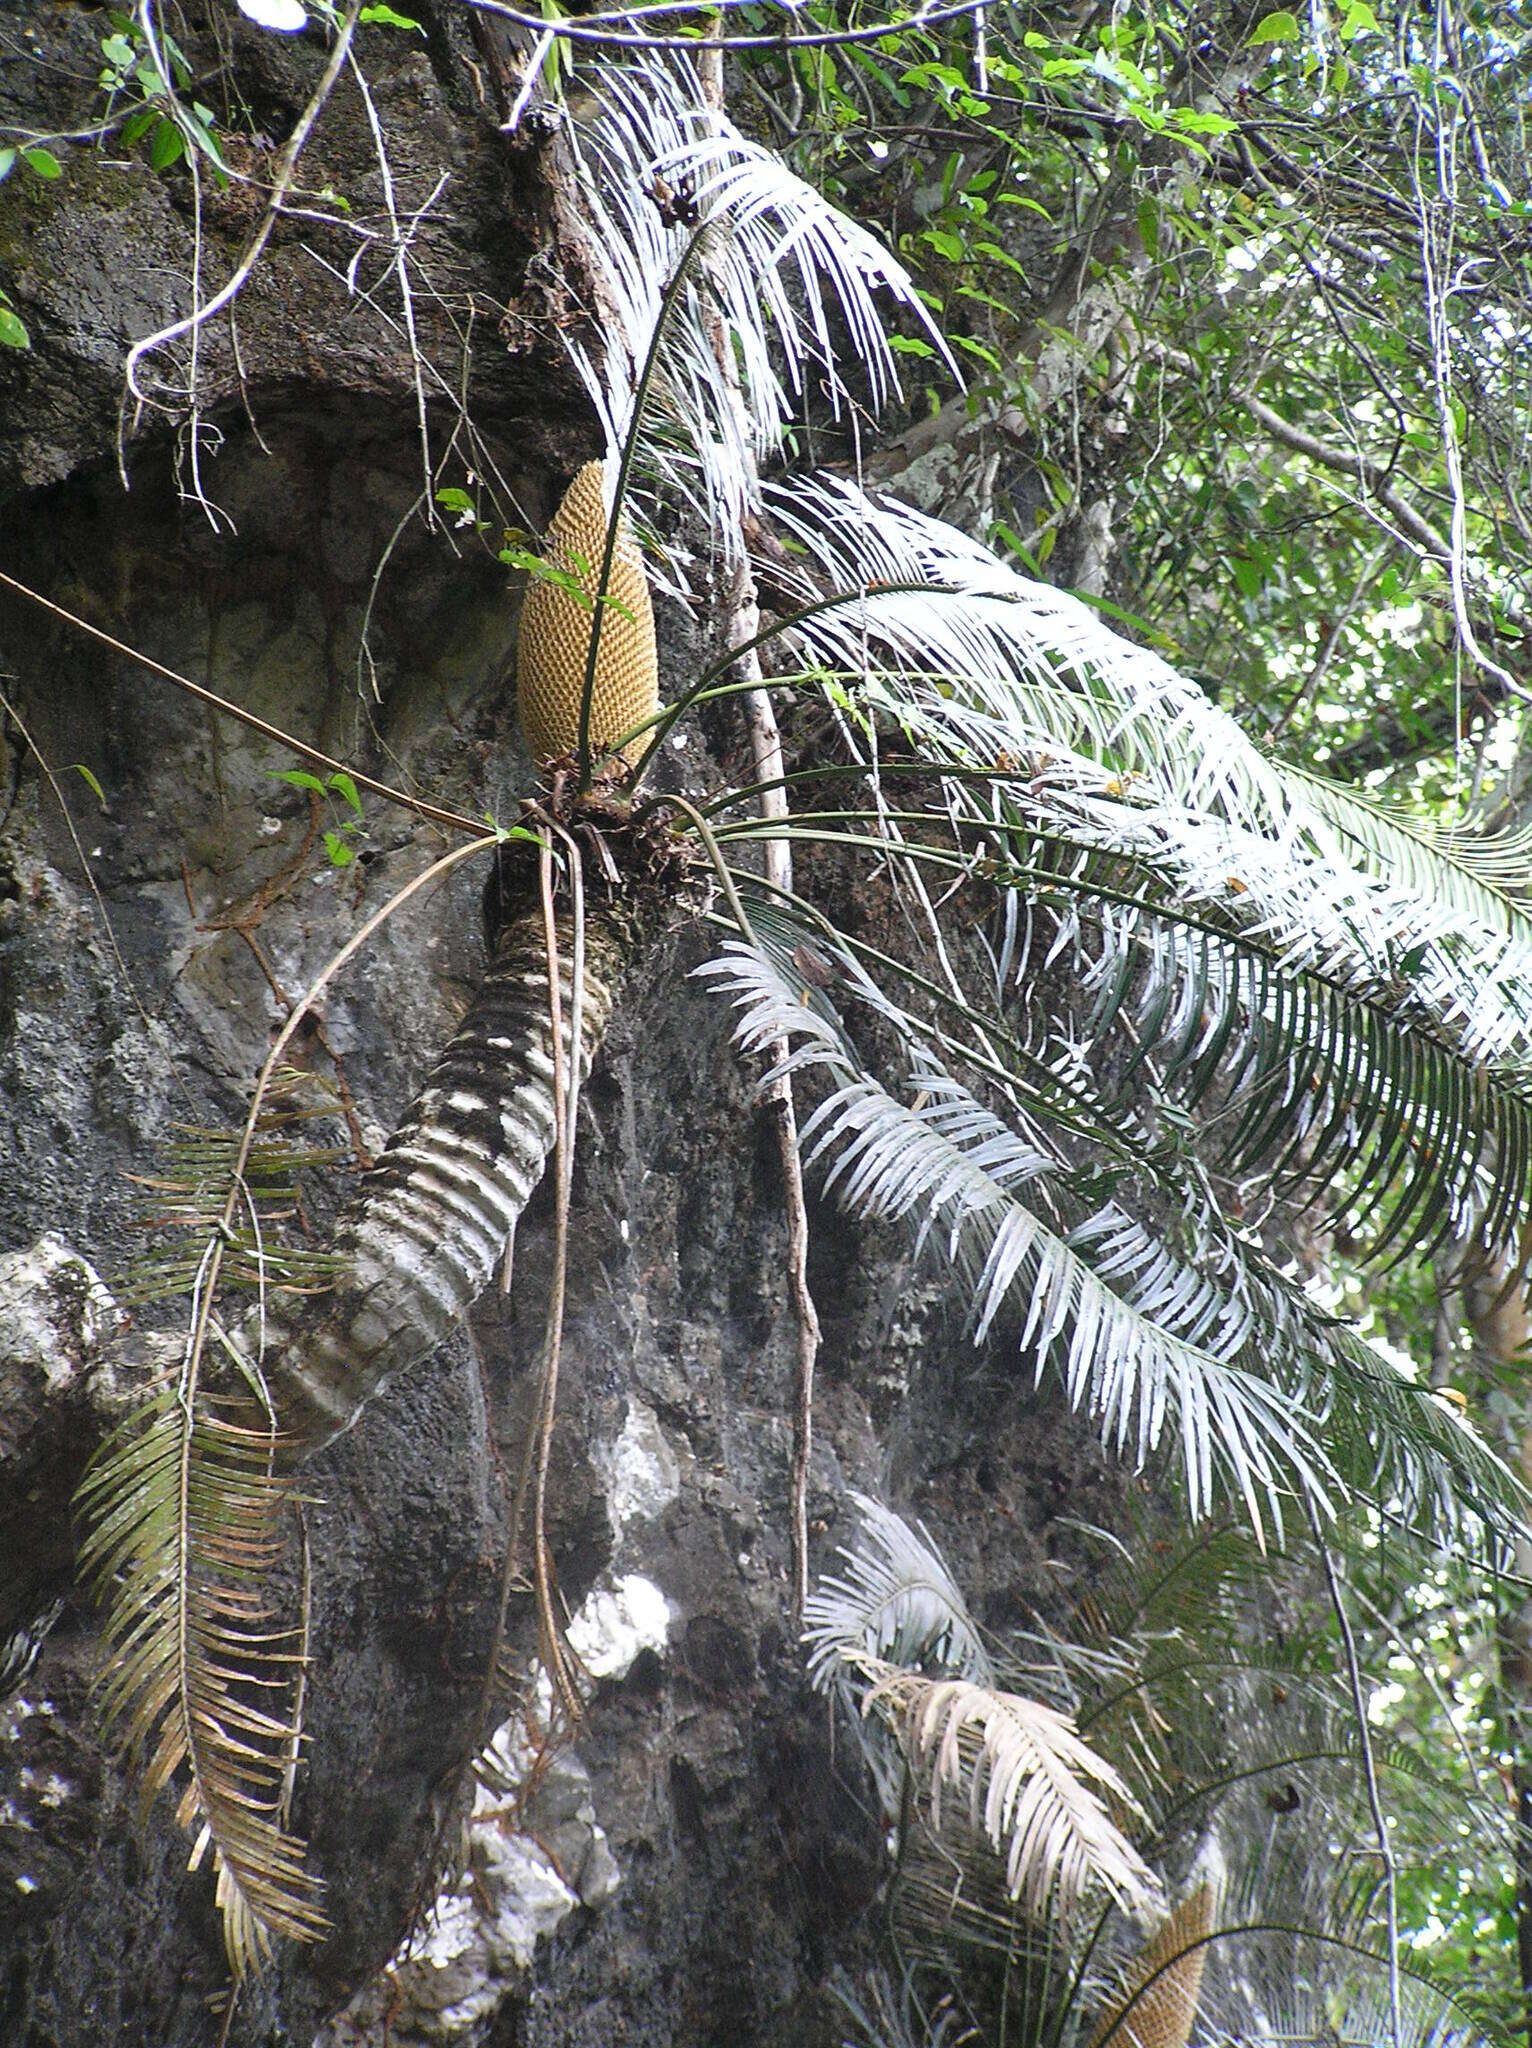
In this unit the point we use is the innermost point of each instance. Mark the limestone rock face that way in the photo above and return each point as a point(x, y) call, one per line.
point(702, 1853)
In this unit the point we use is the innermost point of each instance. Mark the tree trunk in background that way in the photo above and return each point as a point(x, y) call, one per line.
point(1499, 1315)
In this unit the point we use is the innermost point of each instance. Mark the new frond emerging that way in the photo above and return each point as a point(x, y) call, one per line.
point(673, 190)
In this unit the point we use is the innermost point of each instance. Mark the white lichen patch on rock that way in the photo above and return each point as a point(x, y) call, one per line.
point(46, 1787)
point(638, 1469)
point(527, 1871)
point(58, 1326)
point(56, 1313)
point(536, 1853)
point(617, 1623)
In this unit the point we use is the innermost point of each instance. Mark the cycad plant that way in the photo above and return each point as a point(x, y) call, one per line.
point(1232, 1758)
point(1149, 980)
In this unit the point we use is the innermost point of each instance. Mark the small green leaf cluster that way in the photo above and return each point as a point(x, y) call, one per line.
point(13, 331)
point(42, 163)
point(156, 74)
point(347, 824)
point(463, 507)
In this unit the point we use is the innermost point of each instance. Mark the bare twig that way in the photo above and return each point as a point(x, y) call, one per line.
point(401, 265)
point(592, 29)
point(436, 815)
point(742, 630)
point(239, 277)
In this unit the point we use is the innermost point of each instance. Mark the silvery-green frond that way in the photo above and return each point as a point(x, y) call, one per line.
point(896, 1602)
point(1390, 1439)
point(705, 244)
point(986, 669)
point(896, 1632)
point(1039, 1793)
point(1485, 876)
point(1328, 1076)
point(1143, 1380)
point(1185, 1334)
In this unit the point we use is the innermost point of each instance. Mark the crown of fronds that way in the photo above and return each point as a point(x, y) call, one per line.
point(1159, 1662)
point(697, 229)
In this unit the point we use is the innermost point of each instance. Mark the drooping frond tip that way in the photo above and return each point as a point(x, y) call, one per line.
point(186, 1524)
point(896, 1602)
point(1034, 1790)
point(558, 619)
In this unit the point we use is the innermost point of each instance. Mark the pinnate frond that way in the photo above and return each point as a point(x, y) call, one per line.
point(1039, 1795)
point(896, 1601)
point(672, 189)
point(984, 668)
point(1037, 1790)
point(1209, 1349)
point(1143, 1380)
point(1485, 876)
point(188, 1518)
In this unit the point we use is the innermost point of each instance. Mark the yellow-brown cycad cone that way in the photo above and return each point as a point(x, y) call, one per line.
point(1167, 2012)
point(556, 633)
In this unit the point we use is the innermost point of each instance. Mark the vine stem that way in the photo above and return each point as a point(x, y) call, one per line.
point(742, 633)
point(432, 812)
point(287, 162)
point(1370, 1773)
point(566, 1095)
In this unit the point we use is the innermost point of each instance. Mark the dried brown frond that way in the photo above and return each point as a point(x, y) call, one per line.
point(188, 1520)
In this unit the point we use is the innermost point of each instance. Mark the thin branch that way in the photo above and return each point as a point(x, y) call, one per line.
point(1353, 463)
point(592, 30)
point(1370, 1769)
point(433, 812)
point(401, 265)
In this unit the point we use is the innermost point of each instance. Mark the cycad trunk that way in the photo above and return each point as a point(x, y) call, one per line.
point(432, 1219)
